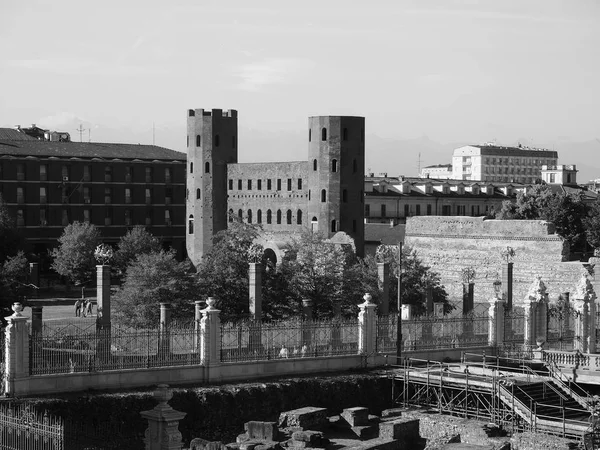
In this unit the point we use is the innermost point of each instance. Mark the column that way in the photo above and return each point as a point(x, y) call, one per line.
point(366, 326)
point(429, 300)
point(163, 423)
point(535, 304)
point(307, 305)
point(164, 345)
point(255, 287)
point(584, 299)
point(103, 296)
point(307, 328)
point(197, 319)
point(16, 350)
point(36, 319)
point(210, 344)
point(496, 318)
point(383, 278)
point(468, 290)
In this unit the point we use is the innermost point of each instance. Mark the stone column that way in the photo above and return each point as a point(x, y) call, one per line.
point(383, 277)
point(103, 296)
point(36, 319)
point(307, 305)
point(197, 319)
point(255, 285)
point(307, 330)
point(507, 283)
point(34, 278)
point(429, 300)
point(535, 304)
point(496, 318)
point(584, 303)
point(16, 350)
point(367, 333)
point(210, 344)
point(163, 423)
point(164, 345)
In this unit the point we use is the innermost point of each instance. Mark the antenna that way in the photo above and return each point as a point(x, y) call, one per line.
point(81, 130)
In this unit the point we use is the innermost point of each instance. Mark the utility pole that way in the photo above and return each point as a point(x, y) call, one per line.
point(81, 130)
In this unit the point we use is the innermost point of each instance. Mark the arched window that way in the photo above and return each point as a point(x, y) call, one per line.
point(240, 214)
point(217, 140)
point(324, 134)
point(249, 216)
point(333, 226)
point(269, 218)
point(289, 216)
point(309, 135)
point(345, 134)
point(315, 164)
point(232, 141)
point(191, 167)
point(230, 215)
point(197, 194)
point(259, 216)
point(334, 165)
point(354, 166)
point(344, 196)
point(198, 140)
point(191, 224)
point(278, 217)
point(323, 195)
point(206, 167)
point(299, 217)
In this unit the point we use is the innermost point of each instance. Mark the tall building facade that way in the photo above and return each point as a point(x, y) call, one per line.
point(501, 164)
point(324, 192)
point(48, 184)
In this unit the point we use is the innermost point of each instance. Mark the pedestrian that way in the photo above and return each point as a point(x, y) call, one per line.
point(78, 308)
point(89, 308)
point(84, 308)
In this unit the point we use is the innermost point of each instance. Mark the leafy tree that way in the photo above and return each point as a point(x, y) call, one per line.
point(592, 224)
point(11, 240)
point(151, 279)
point(565, 211)
point(137, 241)
point(13, 282)
point(74, 256)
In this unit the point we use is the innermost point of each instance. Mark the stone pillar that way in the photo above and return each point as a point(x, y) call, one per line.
point(210, 343)
point(16, 350)
point(383, 277)
point(255, 286)
point(103, 296)
point(163, 423)
point(307, 305)
point(367, 333)
point(468, 290)
point(34, 278)
point(164, 345)
point(584, 303)
point(429, 300)
point(197, 319)
point(36, 319)
point(496, 318)
point(507, 283)
point(536, 308)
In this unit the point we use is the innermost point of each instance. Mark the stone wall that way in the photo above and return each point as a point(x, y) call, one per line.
point(450, 244)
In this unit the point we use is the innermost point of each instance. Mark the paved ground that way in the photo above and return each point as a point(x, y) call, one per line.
point(59, 311)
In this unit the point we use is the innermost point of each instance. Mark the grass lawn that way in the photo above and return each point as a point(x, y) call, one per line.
point(58, 312)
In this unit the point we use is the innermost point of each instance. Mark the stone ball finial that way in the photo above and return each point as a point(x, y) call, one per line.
point(211, 303)
point(163, 394)
point(367, 298)
point(17, 308)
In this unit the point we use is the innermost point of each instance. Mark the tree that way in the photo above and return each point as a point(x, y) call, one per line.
point(11, 240)
point(13, 282)
point(565, 211)
point(135, 242)
point(592, 224)
point(152, 279)
point(74, 256)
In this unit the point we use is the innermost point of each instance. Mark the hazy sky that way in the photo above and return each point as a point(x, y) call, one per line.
point(453, 70)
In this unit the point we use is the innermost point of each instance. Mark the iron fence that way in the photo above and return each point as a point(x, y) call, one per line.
point(95, 350)
point(561, 332)
point(441, 332)
point(514, 326)
point(2, 359)
point(387, 333)
point(255, 341)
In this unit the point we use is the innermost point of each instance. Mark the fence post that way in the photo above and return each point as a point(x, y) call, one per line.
point(34, 278)
point(164, 346)
point(163, 423)
point(496, 318)
point(210, 337)
point(197, 319)
point(584, 302)
point(102, 296)
point(255, 287)
point(367, 327)
point(36, 319)
point(16, 363)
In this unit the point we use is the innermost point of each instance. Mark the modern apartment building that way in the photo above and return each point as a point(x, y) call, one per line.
point(490, 162)
point(48, 184)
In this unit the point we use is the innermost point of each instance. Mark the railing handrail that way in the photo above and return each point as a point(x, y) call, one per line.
point(554, 370)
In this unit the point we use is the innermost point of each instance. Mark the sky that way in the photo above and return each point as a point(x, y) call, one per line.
point(439, 72)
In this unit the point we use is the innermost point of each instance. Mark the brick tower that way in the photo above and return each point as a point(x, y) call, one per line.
point(211, 145)
point(336, 165)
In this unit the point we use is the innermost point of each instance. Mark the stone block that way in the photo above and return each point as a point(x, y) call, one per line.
point(203, 444)
point(392, 412)
point(365, 432)
point(404, 430)
point(308, 418)
point(249, 445)
point(307, 436)
point(356, 417)
point(266, 431)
